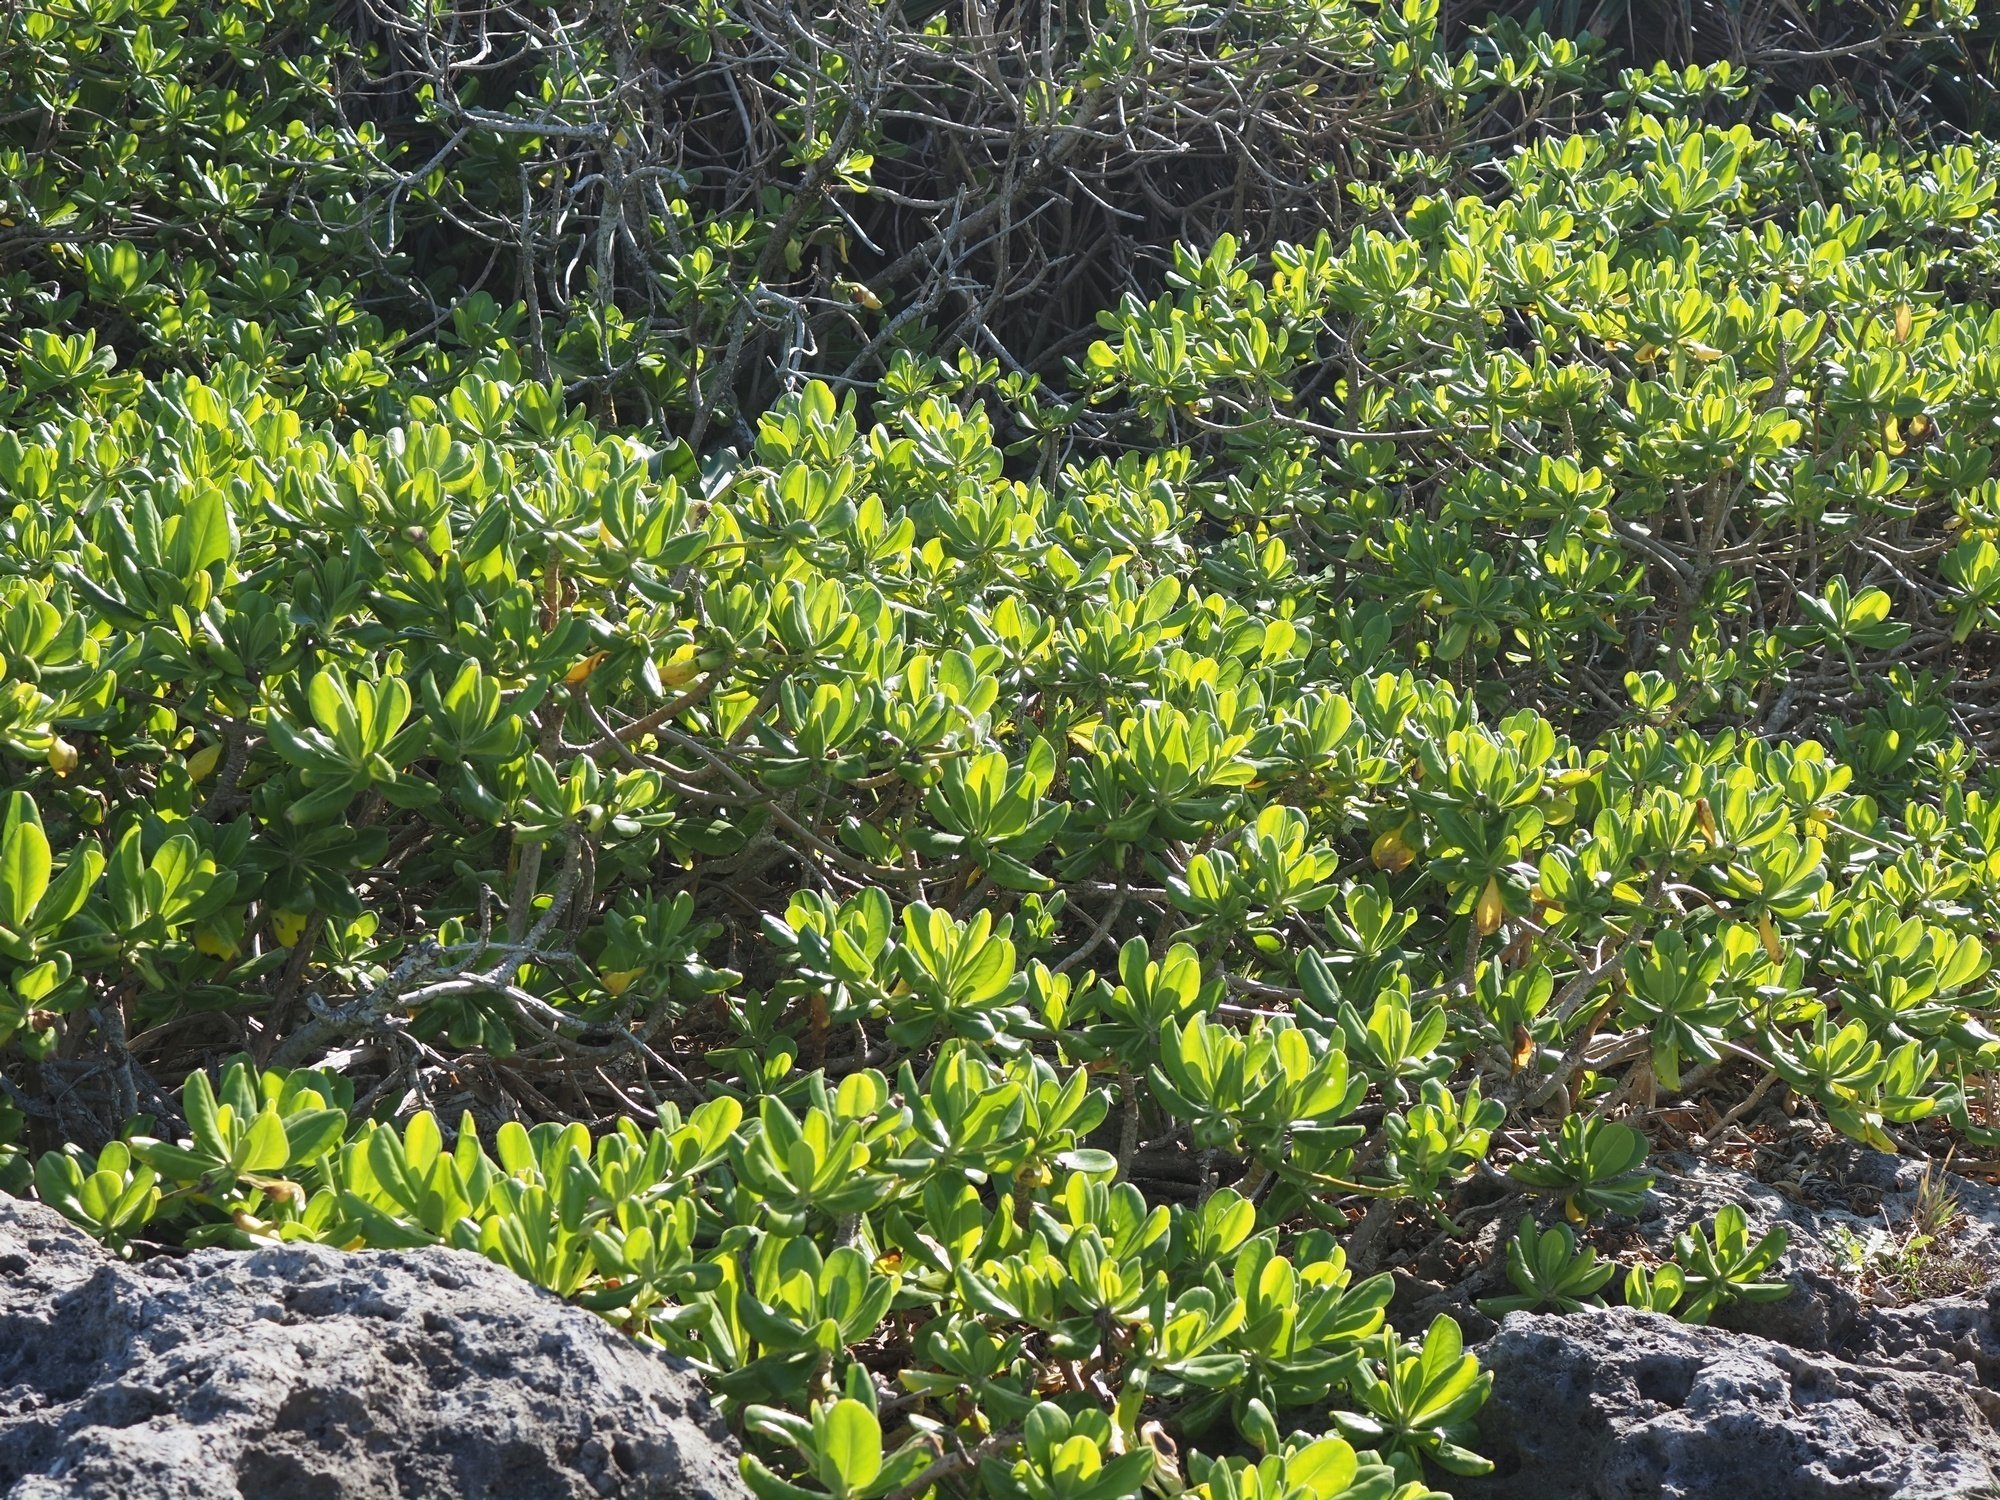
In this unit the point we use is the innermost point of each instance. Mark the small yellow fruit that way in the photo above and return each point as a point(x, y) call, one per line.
point(62, 756)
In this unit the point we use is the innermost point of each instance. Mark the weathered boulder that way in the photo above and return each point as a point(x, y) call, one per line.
point(1618, 1404)
point(315, 1375)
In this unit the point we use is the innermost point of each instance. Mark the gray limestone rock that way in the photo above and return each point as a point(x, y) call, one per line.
point(309, 1374)
point(1836, 1196)
point(1619, 1405)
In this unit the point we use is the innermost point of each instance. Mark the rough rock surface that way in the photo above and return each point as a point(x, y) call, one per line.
point(1619, 1404)
point(314, 1375)
point(1839, 1192)
point(1840, 1391)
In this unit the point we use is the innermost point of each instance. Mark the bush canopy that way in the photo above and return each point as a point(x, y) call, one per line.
point(961, 708)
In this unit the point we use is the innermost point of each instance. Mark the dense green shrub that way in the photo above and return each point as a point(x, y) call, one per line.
point(972, 876)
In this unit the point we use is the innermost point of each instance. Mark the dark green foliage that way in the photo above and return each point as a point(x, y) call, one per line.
point(1593, 1163)
point(1722, 1266)
point(1550, 1271)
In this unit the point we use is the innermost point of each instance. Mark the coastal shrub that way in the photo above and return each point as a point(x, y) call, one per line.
point(948, 753)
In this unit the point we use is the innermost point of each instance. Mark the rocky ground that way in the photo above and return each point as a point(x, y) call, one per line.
point(1877, 1377)
point(302, 1372)
point(1621, 1403)
point(307, 1374)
